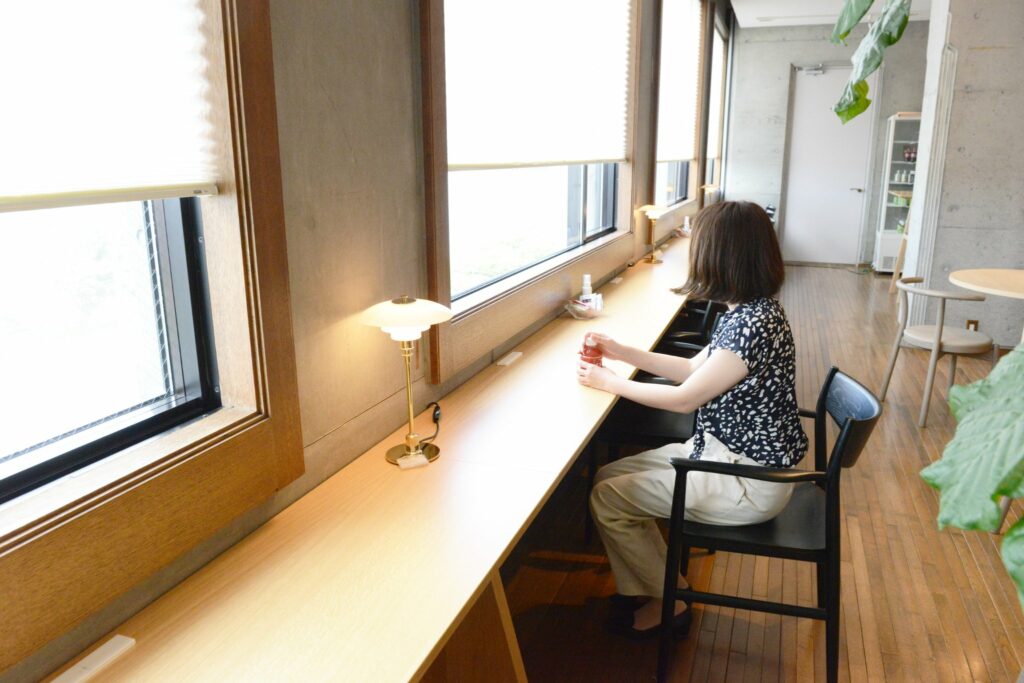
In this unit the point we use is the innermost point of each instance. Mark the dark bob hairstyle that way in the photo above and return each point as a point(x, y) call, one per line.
point(734, 254)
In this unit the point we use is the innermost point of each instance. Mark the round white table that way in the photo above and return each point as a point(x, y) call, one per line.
point(1008, 282)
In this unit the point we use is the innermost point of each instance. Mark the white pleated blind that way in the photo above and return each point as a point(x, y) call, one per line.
point(536, 82)
point(678, 84)
point(103, 100)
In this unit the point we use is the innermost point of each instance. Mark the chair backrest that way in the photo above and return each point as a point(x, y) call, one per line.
point(905, 285)
point(855, 410)
point(712, 316)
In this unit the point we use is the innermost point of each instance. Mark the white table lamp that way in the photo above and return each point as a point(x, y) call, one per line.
point(405, 319)
point(653, 213)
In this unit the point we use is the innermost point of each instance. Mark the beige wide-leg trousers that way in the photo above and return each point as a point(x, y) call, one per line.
point(629, 494)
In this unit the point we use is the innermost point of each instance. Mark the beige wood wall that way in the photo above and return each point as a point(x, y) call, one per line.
point(348, 82)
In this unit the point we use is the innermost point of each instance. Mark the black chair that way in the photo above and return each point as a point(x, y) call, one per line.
point(807, 529)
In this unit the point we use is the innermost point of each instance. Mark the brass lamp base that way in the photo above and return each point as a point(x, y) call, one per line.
point(396, 452)
point(651, 258)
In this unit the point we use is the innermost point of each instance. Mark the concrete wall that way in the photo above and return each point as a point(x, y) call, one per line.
point(759, 106)
point(980, 220)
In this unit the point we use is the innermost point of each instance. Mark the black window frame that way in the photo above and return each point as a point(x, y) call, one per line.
point(180, 258)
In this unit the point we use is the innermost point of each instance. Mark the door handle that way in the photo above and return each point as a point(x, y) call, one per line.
point(857, 189)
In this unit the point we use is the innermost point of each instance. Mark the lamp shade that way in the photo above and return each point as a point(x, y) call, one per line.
point(653, 211)
point(406, 318)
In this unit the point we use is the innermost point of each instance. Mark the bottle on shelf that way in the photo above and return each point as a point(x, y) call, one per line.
point(587, 295)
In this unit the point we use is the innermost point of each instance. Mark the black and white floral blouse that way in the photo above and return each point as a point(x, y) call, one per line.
point(758, 417)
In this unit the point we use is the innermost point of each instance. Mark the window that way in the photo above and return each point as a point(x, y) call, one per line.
point(170, 493)
point(534, 135)
point(716, 109)
point(103, 333)
point(104, 339)
point(678, 87)
point(530, 214)
point(671, 182)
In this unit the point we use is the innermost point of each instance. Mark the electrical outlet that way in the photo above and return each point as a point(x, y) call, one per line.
point(972, 325)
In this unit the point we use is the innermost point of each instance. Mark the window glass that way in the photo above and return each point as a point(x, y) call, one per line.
point(678, 88)
point(502, 221)
point(715, 115)
point(98, 332)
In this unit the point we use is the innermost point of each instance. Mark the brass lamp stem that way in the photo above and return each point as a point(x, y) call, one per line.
point(652, 257)
point(412, 442)
point(412, 445)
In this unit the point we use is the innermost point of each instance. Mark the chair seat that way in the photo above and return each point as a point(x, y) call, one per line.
point(798, 532)
point(954, 339)
point(638, 424)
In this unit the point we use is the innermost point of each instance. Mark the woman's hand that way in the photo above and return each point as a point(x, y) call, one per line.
point(610, 349)
point(595, 376)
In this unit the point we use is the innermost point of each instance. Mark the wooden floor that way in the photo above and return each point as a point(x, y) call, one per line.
point(918, 604)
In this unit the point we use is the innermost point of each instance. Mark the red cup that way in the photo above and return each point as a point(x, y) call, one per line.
point(591, 354)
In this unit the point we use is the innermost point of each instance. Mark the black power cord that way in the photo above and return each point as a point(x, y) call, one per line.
point(436, 416)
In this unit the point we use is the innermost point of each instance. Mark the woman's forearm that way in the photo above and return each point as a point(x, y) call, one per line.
point(676, 399)
point(713, 376)
point(674, 368)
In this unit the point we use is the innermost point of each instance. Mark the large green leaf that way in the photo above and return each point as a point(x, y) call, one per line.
point(854, 100)
point(1012, 551)
point(1004, 382)
point(853, 11)
point(985, 459)
point(886, 31)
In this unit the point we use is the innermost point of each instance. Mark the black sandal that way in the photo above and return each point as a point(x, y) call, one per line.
point(621, 604)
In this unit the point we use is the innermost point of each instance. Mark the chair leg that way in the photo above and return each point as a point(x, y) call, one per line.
point(822, 585)
point(673, 562)
point(831, 578)
point(1004, 506)
point(832, 623)
point(892, 365)
point(952, 373)
point(928, 382)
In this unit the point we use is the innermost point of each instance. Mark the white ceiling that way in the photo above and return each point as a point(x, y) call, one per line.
point(755, 13)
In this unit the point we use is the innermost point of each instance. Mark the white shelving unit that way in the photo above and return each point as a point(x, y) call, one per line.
point(897, 187)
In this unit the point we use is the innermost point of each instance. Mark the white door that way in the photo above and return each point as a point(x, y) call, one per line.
point(827, 180)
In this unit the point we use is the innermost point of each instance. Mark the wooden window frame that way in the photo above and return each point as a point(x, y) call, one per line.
point(538, 293)
point(69, 549)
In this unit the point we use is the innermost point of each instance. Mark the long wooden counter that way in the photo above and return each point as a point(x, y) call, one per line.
point(381, 574)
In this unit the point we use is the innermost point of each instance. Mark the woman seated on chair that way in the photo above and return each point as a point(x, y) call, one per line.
point(743, 389)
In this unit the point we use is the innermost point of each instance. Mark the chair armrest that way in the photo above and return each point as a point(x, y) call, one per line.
point(804, 412)
point(654, 379)
point(679, 335)
point(772, 474)
point(685, 346)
